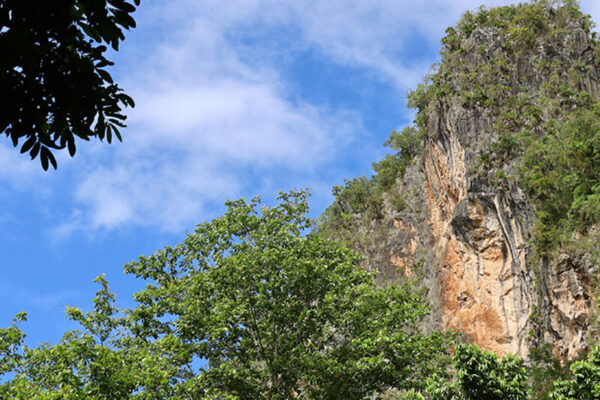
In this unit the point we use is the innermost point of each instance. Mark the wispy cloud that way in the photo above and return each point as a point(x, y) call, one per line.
point(206, 125)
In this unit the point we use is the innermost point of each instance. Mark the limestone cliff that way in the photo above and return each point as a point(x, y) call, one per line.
point(458, 216)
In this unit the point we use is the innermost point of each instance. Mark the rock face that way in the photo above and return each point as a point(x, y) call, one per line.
point(479, 218)
point(505, 74)
point(481, 251)
point(567, 304)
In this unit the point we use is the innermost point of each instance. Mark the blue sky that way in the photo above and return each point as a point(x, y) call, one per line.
point(234, 99)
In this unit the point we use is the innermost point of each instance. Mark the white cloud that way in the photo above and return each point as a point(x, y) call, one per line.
point(166, 193)
point(203, 127)
point(241, 122)
point(368, 34)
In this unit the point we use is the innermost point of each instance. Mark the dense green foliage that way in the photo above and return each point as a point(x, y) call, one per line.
point(481, 375)
point(585, 383)
point(246, 307)
point(276, 313)
point(53, 82)
point(561, 172)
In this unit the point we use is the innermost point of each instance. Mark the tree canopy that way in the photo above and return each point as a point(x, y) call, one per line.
point(54, 85)
point(482, 375)
point(247, 307)
point(585, 381)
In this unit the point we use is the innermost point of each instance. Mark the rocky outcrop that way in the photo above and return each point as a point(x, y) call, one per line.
point(481, 247)
point(566, 301)
point(477, 211)
point(464, 224)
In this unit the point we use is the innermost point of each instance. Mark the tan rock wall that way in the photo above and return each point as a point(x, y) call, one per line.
point(569, 303)
point(483, 295)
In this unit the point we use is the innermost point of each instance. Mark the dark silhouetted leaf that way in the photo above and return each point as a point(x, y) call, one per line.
point(28, 144)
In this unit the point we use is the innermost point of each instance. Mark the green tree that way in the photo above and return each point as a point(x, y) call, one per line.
point(585, 383)
point(53, 82)
point(88, 364)
point(247, 307)
point(278, 314)
point(481, 375)
point(102, 361)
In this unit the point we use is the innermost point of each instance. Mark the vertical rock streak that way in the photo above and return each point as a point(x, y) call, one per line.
point(480, 229)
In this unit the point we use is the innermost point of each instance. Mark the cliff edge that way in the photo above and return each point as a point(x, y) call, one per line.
point(492, 198)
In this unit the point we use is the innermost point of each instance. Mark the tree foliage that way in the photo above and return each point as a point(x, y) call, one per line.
point(585, 383)
point(481, 375)
point(561, 172)
point(279, 315)
point(246, 307)
point(54, 85)
point(88, 364)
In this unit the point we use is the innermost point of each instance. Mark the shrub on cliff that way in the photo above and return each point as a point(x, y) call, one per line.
point(361, 215)
point(561, 173)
